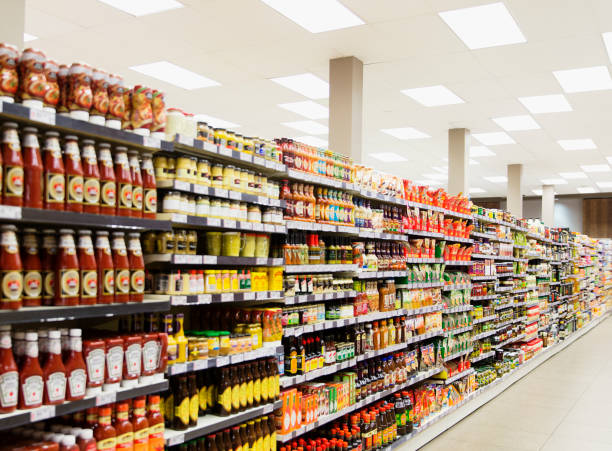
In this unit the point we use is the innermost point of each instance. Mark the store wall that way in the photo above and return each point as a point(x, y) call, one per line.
point(568, 211)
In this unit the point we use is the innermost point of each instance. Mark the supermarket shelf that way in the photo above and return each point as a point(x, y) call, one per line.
point(510, 274)
point(217, 362)
point(458, 263)
point(413, 285)
point(55, 314)
point(504, 324)
point(460, 286)
point(458, 330)
point(483, 278)
point(456, 214)
point(303, 298)
point(520, 246)
point(24, 417)
point(484, 319)
point(484, 355)
point(458, 308)
point(366, 233)
point(458, 376)
point(481, 335)
point(389, 349)
point(321, 227)
point(547, 293)
point(504, 306)
point(424, 233)
point(508, 341)
point(195, 299)
point(380, 274)
point(216, 223)
point(184, 259)
point(554, 283)
point(307, 269)
point(289, 381)
point(484, 298)
point(458, 354)
point(458, 239)
point(522, 290)
point(213, 423)
point(424, 260)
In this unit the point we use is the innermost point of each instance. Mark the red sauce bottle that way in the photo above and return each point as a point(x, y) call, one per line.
point(9, 377)
point(74, 175)
point(132, 352)
point(89, 269)
point(108, 185)
point(54, 174)
point(156, 425)
point(114, 363)
point(54, 373)
point(69, 443)
point(104, 433)
point(31, 375)
point(106, 269)
point(136, 175)
point(140, 424)
point(13, 166)
point(122, 268)
point(150, 354)
point(67, 275)
point(33, 169)
point(32, 276)
point(137, 273)
point(95, 361)
point(48, 262)
point(149, 187)
point(76, 371)
point(91, 177)
point(123, 427)
point(11, 279)
point(86, 441)
point(124, 182)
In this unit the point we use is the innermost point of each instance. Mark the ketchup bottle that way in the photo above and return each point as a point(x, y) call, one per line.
point(91, 177)
point(106, 269)
point(31, 375)
point(124, 182)
point(32, 276)
point(54, 372)
point(136, 184)
point(74, 175)
point(149, 187)
point(33, 169)
point(122, 268)
point(108, 185)
point(89, 269)
point(67, 277)
point(75, 368)
point(55, 178)
point(13, 166)
point(9, 377)
point(137, 273)
point(69, 443)
point(11, 279)
point(48, 261)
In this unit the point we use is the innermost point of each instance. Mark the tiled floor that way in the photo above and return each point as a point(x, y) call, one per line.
point(564, 404)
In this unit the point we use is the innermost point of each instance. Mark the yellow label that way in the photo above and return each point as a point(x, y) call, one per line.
point(137, 198)
point(182, 411)
point(211, 396)
point(225, 399)
point(56, 188)
point(249, 393)
point(137, 281)
point(203, 399)
point(122, 281)
point(257, 390)
point(259, 444)
point(238, 448)
point(236, 397)
point(273, 441)
point(69, 282)
point(107, 444)
point(150, 201)
point(75, 189)
point(157, 428)
point(108, 282)
point(12, 285)
point(264, 388)
point(32, 284)
point(169, 408)
point(91, 191)
point(243, 394)
point(13, 181)
point(108, 194)
point(266, 442)
point(125, 195)
point(245, 446)
point(125, 441)
point(141, 434)
point(194, 406)
point(89, 283)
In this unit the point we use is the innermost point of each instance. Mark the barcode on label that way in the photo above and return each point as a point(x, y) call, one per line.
point(106, 398)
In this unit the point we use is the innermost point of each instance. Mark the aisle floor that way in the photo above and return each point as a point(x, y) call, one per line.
point(564, 404)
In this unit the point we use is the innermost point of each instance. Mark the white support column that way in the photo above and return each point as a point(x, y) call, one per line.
point(548, 205)
point(346, 106)
point(12, 22)
point(458, 157)
point(514, 196)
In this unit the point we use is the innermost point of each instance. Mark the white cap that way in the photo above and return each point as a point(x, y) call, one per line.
point(54, 334)
point(75, 332)
point(86, 434)
point(31, 336)
point(68, 440)
point(75, 431)
point(64, 331)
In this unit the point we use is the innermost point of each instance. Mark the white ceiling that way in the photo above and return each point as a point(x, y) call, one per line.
point(403, 44)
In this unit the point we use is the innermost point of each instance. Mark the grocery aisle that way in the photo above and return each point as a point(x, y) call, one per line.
point(564, 404)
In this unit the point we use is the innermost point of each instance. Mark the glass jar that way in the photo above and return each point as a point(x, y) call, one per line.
point(215, 208)
point(202, 206)
point(254, 213)
point(243, 211)
point(225, 209)
point(203, 170)
point(228, 177)
point(171, 202)
point(216, 175)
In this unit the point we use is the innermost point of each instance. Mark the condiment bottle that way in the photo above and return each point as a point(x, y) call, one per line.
point(124, 182)
point(95, 360)
point(86, 441)
point(75, 367)
point(122, 268)
point(132, 351)
point(10, 269)
point(67, 288)
point(8, 68)
point(69, 443)
point(104, 432)
point(48, 263)
point(13, 166)
point(181, 405)
point(54, 174)
point(108, 185)
point(140, 425)
point(106, 269)
point(172, 345)
point(181, 341)
point(194, 404)
point(224, 398)
point(114, 363)
point(99, 88)
point(137, 188)
point(123, 427)
point(54, 372)
point(31, 375)
point(9, 377)
point(149, 204)
point(156, 425)
point(74, 175)
point(33, 169)
point(137, 273)
point(32, 277)
point(91, 177)
point(89, 272)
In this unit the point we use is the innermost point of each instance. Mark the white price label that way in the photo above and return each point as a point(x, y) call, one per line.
point(213, 222)
point(268, 227)
point(199, 189)
point(152, 142)
point(42, 116)
point(182, 186)
point(308, 328)
point(179, 218)
point(258, 160)
point(106, 398)
point(210, 259)
point(175, 440)
point(245, 156)
point(227, 297)
point(262, 200)
point(185, 140)
point(246, 225)
point(204, 298)
point(229, 223)
point(248, 296)
point(261, 261)
point(318, 297)
point(237, 358)
point(42, 413)
point(225, 151)
point(235, 195)
point(274, 202)
point(210, 147)
point(269, 164)
point(280, 229)
point(258, 226)
point(9, 212)
point(222, 361)
point(220, 192)
point(200, 365)
point(262, 295)
point(178, 300)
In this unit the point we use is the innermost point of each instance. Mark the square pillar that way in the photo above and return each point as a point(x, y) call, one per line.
point(458, 158)
point(346, 106)
point(514, 196)
point(548, 205)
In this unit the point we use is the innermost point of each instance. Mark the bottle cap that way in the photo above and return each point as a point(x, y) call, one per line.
point(68, 440)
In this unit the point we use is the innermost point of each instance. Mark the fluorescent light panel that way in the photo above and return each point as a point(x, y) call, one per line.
point(554, 103)
point(586, 189)
point(405, 133)
point(577, 144)
point(175, 75)
point(307, 84)
point(481, 151)
point(595, 168)
point(307, 108)
point(442, 169)
point(474, 162)
point(27, 37)
point(496, 179)
point(573, 175)
point(537, 191)
point(388, 157)
point(143, 7)
point(215, 121)
point(311, 127)
point(554, 181)
point(585, 79)
point(493, 138)
point(477, 191)
point(312, 141)
point(516, 123)
point(484, 26)
point(316, 16)
point(604, 184)
point(433, 95)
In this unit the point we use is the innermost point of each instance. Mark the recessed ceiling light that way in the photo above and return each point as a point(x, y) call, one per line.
point(143, 7)
point(595, 168)
point(586, 189)
point(554, 103)
point(481, 151)
point(474, 162)
point(442, 169)
point(311, 127)
point(493, 138)
point(312, 141)
point(316, 16)
point(477, 191)
point(497, 179)
point(573, 175)
point(484, 26)
point(427, 182)
point(27, 37)
point(388, 157)
point(577, 144)
point(215, 121)
point(553, 181)
point(516, 123)
point(307, 108)
point(604, 184)
point(433, 95)
point(309, 85)
point(436, 176)
point(405, 133)
point(175, 75)
point(584, 79)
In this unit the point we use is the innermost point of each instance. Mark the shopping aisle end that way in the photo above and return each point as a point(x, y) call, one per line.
point(560, 405)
